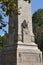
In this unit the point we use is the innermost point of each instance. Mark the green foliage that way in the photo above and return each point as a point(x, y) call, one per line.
point(3, 40)
point(37, 20)
point(38, 17)
point(10, 6)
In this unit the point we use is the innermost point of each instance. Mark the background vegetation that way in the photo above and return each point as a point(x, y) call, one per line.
point(37, 20)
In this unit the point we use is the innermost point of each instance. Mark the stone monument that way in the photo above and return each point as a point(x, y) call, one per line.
point(20, 48)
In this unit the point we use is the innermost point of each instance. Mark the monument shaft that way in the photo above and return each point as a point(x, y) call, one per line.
point(21, 49)
point(25, 16)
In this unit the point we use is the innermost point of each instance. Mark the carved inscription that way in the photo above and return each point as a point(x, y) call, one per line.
point(28, 57)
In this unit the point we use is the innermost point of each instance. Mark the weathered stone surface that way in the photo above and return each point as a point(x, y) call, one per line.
point(20, 48)
point(28, 54)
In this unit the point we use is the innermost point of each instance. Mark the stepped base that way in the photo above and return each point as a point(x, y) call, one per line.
point(28, 54)
point(21, 54)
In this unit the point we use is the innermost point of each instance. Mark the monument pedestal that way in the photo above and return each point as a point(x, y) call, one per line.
point(28, 54)
point(22, 54)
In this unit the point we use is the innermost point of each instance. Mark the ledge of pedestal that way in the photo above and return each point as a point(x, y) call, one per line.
point(31, 47)
point(27, 44)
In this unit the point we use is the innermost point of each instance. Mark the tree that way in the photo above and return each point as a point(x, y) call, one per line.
point(10, 6)
point(37, 20)
point(3, 40)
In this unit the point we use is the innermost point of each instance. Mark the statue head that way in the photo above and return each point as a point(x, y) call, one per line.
point(25, 24)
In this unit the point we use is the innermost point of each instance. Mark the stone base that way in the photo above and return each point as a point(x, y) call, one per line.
point(9, 55)
point(21, 54)
point(28, 54)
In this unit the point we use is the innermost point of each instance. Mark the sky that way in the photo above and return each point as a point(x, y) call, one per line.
point(35, 5)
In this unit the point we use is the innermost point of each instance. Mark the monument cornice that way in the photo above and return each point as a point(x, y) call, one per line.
point(28, 0)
